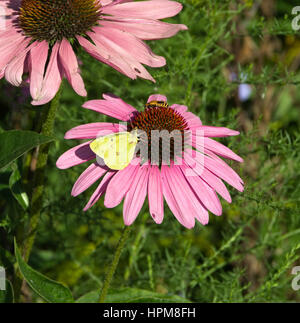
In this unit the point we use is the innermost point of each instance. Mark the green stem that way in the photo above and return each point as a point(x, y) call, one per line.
point(114, 264)
point(47, 123)
point(27, 239)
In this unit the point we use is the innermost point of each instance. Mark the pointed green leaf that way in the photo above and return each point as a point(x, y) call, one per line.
point(50, 290)
point(15, 143)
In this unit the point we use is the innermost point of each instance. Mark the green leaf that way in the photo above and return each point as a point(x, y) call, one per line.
point(91, 297)
point(7, 295)
point(132, 295)
point(17, 189)
point(15, 143)
point(50, 290)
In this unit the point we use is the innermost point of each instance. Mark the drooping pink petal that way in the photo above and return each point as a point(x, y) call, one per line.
point(133, 68)
point(37, 61)
point(146, 29)
point(70, 67)
point(111, 106)
point(157, 97)
point(9, 36)
point(119, 185)
point(15, 68)
point(88, 178)
point(220, 161)
point(212, 180)
point(52, 80)
point(136, 195)
point(197, 209)
point(142, 53)
point(155, 194)
point(99, 190)
point(11, 49)
point(218, 168)
point(215, 147)
point(155, 9)
point(75, 156)
point(101, 54)
point(176, 198)
point(94, 130)
point(204, 192)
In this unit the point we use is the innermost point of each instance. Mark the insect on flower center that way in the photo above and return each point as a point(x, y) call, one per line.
point(168, 123)
point(53, 20)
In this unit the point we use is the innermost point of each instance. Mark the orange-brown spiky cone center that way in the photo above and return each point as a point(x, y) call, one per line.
point(161, 118)
point(53, 20)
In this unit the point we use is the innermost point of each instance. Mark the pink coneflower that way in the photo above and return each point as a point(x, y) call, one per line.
point(37, 37)
point(189, 187)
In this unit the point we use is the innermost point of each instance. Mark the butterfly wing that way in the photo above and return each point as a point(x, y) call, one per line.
point(117, 150)
point(100, 145)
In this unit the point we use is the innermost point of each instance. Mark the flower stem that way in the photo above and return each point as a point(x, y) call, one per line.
point(47, 123)
point(114, 264)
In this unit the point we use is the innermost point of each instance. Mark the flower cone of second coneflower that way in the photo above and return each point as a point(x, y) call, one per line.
point(189, 185)
point(37, 37)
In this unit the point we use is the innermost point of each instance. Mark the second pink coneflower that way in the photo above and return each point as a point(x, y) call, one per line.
point(37, 38)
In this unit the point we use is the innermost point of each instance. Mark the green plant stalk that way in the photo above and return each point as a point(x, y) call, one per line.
point(48, 118)
point(114, 264)
point(27, 236)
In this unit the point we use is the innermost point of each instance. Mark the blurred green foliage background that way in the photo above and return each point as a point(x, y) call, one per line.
point(247, 254)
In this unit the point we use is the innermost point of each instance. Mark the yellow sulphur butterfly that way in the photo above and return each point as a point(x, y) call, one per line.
point(117, 149)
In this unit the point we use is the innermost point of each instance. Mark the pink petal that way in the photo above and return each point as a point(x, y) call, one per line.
point(70, 66)
point(215, 147)
point(88, 178)
point(9, 35)
point(136, 195)
point(157, 97)
point(37, 61)
point(216, 158)
point(102, 55)
point(176, 197)
point(195, 206)
point(119, 185)
point(155, 195)
point(210, 131)
point(112, 2)
point(191, 119)
point(75, 156)
point(221, 169)
point(52, 80)
point(93, 130)
point(204, 192)
point(11, 49)
point(156, 9)
point(111, 106)
point(120, 56)
point(105, 2)
point(15, 69)
point(212, 180)
point(146, 29)
point(179, 108)
point(141, 53)
point(99, 190)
